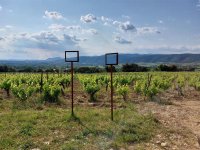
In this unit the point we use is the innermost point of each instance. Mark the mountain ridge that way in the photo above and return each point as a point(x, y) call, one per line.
point(100, 60)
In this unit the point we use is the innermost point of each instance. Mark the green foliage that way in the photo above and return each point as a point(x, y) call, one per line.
point(133, 68)
point(121, 80)
point(170, 68)
point(195, 82)
point(23, 85)
point(51, 93)
point(63, 81)
point(23, 92)
point(123, 90)
point(198, 86)
point(92, 88)
point(6, 84)
point(144, 89)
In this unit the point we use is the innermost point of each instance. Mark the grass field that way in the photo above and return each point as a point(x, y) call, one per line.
point(53, 127)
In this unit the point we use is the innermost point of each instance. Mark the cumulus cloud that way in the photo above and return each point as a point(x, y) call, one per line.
point(1, 39)
point(44, 44)
point(60, 27)
point(106, 21)
point(42, 40)
point(88, 18)
point(127, 26)
point(72, 29)
point(45, 37)
point(89, 31)
point(53, 15)
point(147, 30)
point(121, 40)
point(6, 28)
point(124, 26)
point(74, 38)
point(57, 27)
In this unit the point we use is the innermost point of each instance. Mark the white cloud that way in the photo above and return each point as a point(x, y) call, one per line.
point(45, 44)
point(88, 18)
point(126, 17)
point(6, 28)
point(53, 15)
point(2, 29)
point(106, 21)
point(78, 39)
point(60, 27)
point(127, 26)
point(89, 31)
point(124, 26)
point(57, 27)
point(1, 39)
point(9, 27)
point(160, 21)
point(45, 37)
point(121, 40)
point(41, 40)
point(74, 29)
point(147, 30)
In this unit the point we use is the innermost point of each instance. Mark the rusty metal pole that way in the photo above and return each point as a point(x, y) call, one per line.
point(72, 87)
point(111, 86)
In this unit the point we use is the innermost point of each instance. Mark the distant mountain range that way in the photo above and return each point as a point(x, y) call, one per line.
point(100, 60)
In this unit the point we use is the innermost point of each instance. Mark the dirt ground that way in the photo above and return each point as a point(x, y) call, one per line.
point(181, 120)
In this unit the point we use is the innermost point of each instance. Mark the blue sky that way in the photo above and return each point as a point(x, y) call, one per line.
point(40, 29)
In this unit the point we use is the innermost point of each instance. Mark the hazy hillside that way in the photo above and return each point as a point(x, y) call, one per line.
point(100, 60)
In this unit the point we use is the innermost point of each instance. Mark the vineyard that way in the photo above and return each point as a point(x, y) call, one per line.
point(38, 92)
point(52, 86)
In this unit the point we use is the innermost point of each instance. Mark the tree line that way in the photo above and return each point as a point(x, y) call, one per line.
point(123, 68)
